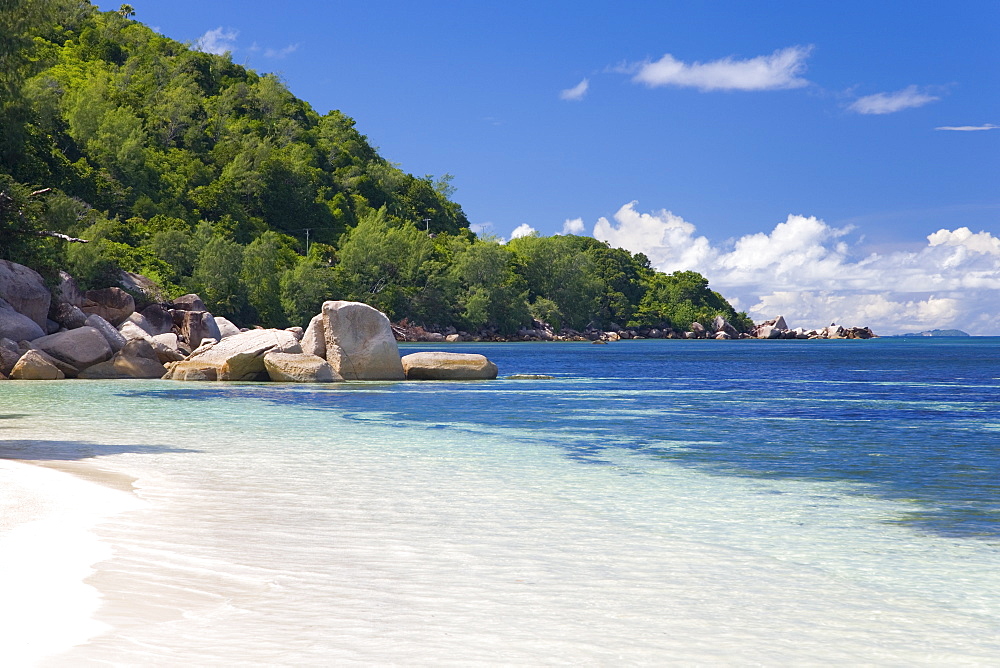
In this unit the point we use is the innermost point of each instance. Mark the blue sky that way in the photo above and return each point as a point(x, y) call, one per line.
point(791, 152)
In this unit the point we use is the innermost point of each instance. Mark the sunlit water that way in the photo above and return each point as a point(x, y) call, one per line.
point(657, 501)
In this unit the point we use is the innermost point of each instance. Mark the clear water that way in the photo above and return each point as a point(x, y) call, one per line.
point(657, 501)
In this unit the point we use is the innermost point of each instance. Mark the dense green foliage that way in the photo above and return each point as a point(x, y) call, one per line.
point(210, 178)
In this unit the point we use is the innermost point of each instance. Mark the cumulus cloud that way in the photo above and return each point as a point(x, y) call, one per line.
point(280, 53)
point(969, 128)
point(522, 230)
point(573, 226)
point(889, 103)
point(813, 273)
point(575, 93)
point(779, 70)
point(218, 41)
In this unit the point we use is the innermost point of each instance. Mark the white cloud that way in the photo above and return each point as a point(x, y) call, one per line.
point(522, 230)
point(779, 70)
point(813, 274)
point(280, 53)
point(575, 93)
point(969, 128)
point(574, 226)
point(218, 41)
point(888, 103)
point(667, 240)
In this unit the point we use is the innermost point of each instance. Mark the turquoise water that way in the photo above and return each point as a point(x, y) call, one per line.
point(701, 501)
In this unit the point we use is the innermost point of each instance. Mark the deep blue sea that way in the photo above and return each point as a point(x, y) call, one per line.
point(653, 502)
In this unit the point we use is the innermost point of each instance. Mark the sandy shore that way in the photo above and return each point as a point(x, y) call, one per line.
point(47, 551)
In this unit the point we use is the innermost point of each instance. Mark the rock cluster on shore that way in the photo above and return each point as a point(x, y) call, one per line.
point(100, 334)
point(720, 329)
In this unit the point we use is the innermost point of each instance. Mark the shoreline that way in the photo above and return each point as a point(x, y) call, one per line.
point(49, 550)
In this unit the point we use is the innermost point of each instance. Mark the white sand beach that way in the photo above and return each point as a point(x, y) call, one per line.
point(47, 549)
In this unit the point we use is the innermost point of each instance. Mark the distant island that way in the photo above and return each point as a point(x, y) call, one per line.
point(937, 332)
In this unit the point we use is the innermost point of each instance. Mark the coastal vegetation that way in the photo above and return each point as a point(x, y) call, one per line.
point(124, 150)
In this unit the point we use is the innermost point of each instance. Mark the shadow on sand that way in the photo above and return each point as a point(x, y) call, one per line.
point(52, 450)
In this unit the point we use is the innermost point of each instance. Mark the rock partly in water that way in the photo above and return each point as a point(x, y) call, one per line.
point(34, 366)
point(299, 368)
point(192, 370)
point(238, 357)
point(528, 376)
point(81, 347)
point(448, 366)
point(359, 342)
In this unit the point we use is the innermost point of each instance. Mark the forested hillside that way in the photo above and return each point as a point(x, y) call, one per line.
point(208, 177)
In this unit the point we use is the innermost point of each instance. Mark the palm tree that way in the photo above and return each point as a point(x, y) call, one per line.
point(126, 11)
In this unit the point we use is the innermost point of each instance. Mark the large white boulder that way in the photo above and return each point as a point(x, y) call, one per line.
point(299, 368)
point(24, 291)
point(359, 342)
point(237, 357)
point(448, 366)
point(80, 347)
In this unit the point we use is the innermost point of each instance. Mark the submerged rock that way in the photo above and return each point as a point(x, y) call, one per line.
point(448, 366)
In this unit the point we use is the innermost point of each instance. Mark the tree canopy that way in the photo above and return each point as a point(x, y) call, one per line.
point(211, 178)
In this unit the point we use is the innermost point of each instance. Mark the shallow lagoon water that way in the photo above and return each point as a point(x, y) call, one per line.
point(657, 501)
